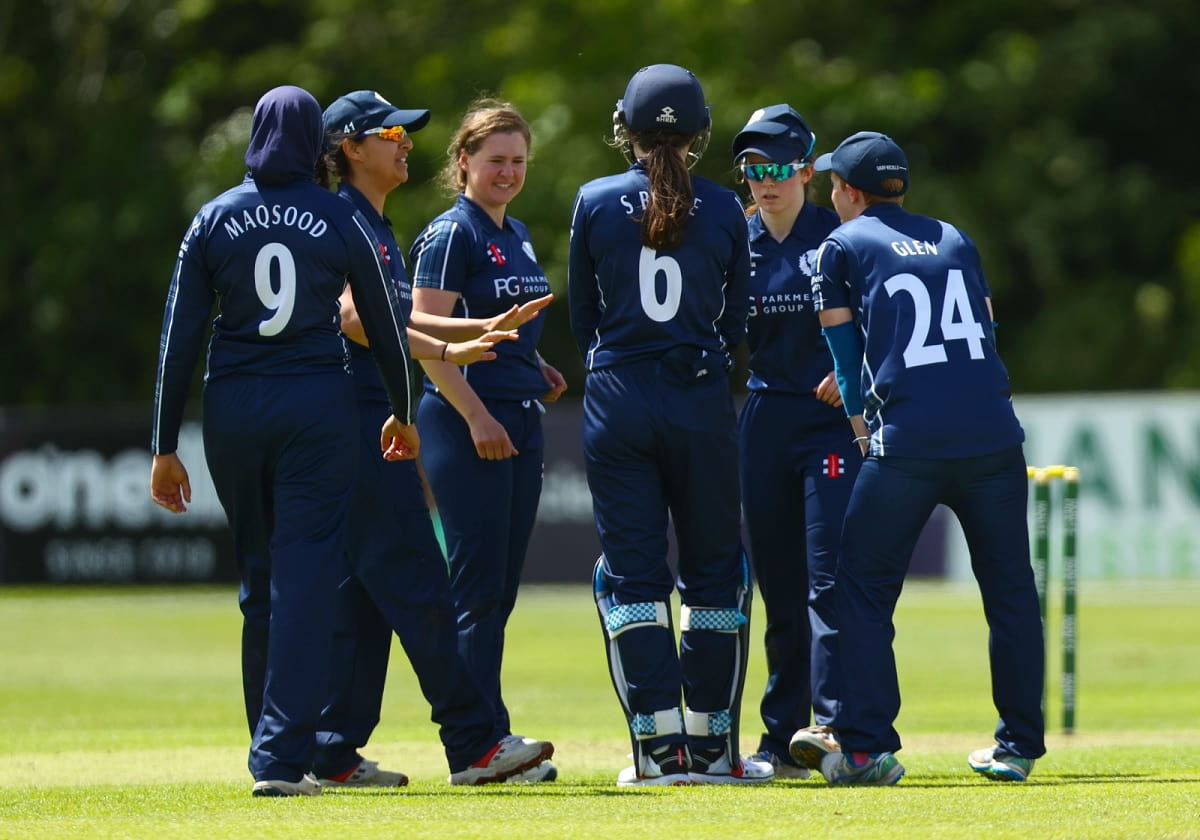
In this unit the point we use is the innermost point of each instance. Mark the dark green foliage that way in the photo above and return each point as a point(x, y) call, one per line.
point(1051, 131)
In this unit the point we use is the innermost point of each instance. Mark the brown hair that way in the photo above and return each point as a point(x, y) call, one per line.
point(484, 117)
point(665, 219)
point(872, 198)
point(333, 166)
point(892, 185)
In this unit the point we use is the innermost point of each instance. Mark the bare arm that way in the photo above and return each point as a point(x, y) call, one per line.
point(472, 346)
point(491, 440)
point(449, 328)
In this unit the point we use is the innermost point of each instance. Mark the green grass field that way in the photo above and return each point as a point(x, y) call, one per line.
point(121, 717)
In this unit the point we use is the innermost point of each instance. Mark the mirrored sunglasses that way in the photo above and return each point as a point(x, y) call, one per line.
point(776, 171)
point(394, 133)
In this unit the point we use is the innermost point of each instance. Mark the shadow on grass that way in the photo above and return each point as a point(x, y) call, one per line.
point(563, 788)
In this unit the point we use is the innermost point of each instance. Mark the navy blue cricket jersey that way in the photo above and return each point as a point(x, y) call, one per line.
point(629, 302)
point(277, 256)
point(932, 380)
point(788, 353)
point(367, 381)
point(491, 268)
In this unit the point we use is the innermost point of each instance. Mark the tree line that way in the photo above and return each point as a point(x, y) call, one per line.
point(1050, 130)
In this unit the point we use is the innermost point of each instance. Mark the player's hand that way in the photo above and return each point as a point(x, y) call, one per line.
point(492, 442)
point(477, 349)
point(399, 441)
point(518, 315)
point(828, 392)
point(169, 483)
point(554, 379)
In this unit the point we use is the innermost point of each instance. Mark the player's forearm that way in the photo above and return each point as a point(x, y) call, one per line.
point(845, 345)
point(447, 327)
point(351, 324)
point(454, 387)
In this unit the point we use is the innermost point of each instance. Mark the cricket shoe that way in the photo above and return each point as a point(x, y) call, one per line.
point(848, 769)
point(999, 765)
point(307, 786)
point(511, 755)
point(544, 772)
point(810, 745)
point(667, 765)
point(713, 767)
point(366, 774)
point(783, 769)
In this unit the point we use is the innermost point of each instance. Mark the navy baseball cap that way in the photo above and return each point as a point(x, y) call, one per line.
point(865, 160)
point(364, 109)
point(664, 97)
point(776, 132)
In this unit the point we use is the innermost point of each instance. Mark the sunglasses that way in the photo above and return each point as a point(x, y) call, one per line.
point(776, 171)
point(394, 133)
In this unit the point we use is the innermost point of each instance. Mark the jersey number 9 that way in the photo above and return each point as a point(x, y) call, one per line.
point(281, 301)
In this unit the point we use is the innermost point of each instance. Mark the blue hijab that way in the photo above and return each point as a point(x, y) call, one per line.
point(285, 136)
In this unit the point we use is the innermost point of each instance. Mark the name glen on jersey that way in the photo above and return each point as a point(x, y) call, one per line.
point(915, 248)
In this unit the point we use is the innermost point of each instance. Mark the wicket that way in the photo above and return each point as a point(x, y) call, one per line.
point(1040, 536)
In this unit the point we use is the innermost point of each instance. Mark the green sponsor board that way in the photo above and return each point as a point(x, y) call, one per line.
point(1139, 479)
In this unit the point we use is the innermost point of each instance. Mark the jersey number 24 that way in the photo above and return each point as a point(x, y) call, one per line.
point(957, 322)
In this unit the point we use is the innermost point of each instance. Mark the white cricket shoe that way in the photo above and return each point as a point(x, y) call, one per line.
point(366, 774)
point(667, 765)
point(713, 767)
point(544, 772)
point(307, 786)
point(511, 755)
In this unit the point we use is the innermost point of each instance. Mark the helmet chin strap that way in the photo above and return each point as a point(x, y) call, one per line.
point(698, 146)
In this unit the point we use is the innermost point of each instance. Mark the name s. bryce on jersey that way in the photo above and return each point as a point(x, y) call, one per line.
point(262, 216)
point(643, 198)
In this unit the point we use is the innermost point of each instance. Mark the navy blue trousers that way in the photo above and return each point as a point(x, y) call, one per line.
point(660, 442)
point(891, 502)
point(283, 473)
point(395, 579)
point(488, 509)
point(796, 483)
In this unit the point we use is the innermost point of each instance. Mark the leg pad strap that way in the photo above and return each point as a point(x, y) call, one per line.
point(701, 724)
point(622, 617)
point(663, 722)
point(718, 619)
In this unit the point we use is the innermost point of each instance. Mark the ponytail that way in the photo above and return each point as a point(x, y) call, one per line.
point(664, 222)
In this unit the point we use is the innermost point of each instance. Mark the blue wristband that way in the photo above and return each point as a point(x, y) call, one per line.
point(846, 346)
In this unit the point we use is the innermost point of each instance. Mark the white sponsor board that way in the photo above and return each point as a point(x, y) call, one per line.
point(1139, 462)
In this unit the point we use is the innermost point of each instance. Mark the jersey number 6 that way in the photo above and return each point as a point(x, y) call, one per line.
point(649, 265)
